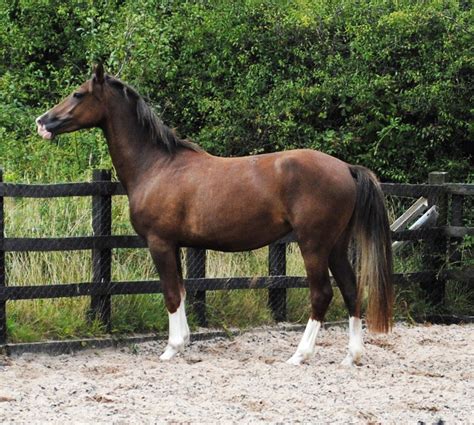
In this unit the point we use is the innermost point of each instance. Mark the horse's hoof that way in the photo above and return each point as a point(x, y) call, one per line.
point(348, 362)
point(296, 359)
point(169, 353)
point(353, 359)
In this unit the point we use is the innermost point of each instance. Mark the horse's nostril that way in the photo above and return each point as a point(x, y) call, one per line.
point(38, 121)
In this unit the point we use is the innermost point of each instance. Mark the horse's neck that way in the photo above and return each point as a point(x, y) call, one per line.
point(129, 149)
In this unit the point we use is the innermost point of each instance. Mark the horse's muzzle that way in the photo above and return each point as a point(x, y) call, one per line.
point(42, 130)
point(48, 127)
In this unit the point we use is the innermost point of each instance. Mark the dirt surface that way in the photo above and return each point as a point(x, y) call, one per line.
point(422, 373)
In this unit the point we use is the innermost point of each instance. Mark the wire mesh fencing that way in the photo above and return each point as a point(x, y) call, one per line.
point(72, 267)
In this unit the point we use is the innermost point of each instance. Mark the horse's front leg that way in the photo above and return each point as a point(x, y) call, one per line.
point(167, 260)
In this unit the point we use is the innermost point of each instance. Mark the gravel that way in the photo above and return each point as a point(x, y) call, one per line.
point(419, 373)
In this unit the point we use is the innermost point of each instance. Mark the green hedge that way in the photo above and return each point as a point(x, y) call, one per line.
point(387, 84)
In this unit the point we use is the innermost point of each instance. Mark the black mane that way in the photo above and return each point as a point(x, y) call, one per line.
point(158, 132)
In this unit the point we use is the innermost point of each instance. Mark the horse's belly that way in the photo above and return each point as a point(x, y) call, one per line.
point(238, 235)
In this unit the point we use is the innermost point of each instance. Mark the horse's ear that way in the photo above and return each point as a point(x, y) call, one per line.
point(98, 73)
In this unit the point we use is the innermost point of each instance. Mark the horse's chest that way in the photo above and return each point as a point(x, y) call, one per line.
point(155, 216)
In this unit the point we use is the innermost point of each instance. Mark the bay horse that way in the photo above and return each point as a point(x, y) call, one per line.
point(181, 196)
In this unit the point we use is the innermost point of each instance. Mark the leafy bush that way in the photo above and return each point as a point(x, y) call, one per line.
point(382, 83)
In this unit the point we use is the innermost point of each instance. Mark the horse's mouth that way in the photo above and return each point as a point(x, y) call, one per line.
point(44, 133)
point(51, 129)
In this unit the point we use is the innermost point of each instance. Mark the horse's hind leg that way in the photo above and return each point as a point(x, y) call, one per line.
point(168, 263)
point(346, 281)
point(316, 263)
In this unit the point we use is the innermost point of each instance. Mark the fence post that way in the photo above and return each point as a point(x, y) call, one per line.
point(436, 249)
point(101, 258)
point(196, 268)
point(3, 304)
point(457, 211)
point(277, 267)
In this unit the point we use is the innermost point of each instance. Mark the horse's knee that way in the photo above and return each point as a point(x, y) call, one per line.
point(172, 301)
point(320, 299)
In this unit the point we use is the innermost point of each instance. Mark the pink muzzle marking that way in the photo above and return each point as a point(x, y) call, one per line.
point(45, 134)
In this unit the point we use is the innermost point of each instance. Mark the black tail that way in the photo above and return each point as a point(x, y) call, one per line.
point(374, 249)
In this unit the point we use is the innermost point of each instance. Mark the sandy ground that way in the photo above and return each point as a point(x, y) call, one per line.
point(423, 373)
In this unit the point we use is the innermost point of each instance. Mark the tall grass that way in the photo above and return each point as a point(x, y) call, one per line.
point(67, 317)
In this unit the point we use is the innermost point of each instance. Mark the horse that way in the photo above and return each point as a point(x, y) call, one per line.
point(181, 196)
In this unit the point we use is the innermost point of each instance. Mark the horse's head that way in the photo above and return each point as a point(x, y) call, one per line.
point(84, 108)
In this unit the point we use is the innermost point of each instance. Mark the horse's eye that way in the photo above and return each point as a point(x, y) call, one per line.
point(78, 95)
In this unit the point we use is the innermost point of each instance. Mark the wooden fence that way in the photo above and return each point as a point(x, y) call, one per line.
point(439, 240)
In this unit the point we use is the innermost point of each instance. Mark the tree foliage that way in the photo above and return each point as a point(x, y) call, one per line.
point(386, 84)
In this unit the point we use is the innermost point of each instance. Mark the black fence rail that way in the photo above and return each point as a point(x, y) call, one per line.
point(441, 242)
